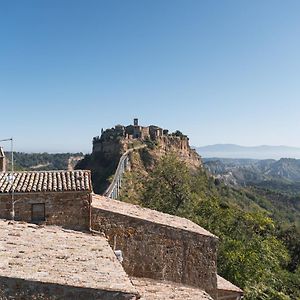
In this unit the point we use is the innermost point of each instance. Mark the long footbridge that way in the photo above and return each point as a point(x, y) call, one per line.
point(113, 191)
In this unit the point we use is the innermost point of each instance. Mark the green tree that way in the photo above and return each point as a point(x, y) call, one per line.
point(168, 186)
point(250, 253)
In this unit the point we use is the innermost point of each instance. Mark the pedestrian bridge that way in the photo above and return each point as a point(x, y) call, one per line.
point(113, 191)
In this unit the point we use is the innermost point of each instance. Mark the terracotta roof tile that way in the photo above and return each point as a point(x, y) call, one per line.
point(46, 181)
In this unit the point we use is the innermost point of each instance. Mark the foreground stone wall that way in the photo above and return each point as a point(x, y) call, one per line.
point(160, 252)
point(20, 289)
point(49, 262)
point(151, 289)
point(67, 209)
point(229, 295)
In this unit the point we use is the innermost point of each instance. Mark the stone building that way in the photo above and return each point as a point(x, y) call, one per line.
point(227, 290)
point(50, 197)
point(164, 256)
point(157, 245)
point(2, 160)
point(130, 132)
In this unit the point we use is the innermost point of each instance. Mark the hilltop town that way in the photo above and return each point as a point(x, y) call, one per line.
point(149, 141)
point(117, 140)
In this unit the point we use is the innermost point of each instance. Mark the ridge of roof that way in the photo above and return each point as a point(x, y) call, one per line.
point(45, 181)
point(226, 285)
point(154, 216)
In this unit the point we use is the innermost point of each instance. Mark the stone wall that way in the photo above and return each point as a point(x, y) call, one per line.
point(109, 148)
point(160, 252)
point(67, 209)
point(20, 289)
point(229, 295)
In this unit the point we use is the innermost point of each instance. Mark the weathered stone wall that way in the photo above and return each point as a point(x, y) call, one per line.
point(67, 209)
point(157, 251)
point(20, 289)
point(110, 148)
point(180, 146)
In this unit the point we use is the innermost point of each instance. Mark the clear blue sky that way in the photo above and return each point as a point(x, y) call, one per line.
point(220, 71)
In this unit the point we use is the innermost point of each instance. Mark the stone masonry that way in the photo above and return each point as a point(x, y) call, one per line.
point(151, 289)
point(70, 210)
point(157, 245)
point(64, 196)
point(48, 262)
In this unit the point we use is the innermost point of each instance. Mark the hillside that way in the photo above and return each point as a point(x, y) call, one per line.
point(43, 161)
point(254, 244)
point(254, 171)
point(256, 152)
point(276, 182)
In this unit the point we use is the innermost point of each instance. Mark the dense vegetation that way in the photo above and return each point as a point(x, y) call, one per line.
point(273, 185)
point(102, 167)
point(41, 161)
point(255, 252)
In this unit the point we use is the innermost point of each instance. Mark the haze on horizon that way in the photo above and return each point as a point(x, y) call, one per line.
point(221, 72)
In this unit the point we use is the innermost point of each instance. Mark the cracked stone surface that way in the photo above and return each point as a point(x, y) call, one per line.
point(164, 290)
point(55, 255)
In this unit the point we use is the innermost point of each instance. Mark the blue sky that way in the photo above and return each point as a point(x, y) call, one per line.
point(220, 71)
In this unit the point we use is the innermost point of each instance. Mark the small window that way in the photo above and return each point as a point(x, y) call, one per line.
point(38, 212)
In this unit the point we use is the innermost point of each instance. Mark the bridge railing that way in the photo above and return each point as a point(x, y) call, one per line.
point(113, 191)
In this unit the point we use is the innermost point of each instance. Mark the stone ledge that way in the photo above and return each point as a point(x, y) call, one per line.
point(138, 212)
point(226, 285)
point(164, 290)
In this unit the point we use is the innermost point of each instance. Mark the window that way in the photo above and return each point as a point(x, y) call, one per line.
point(38, 212)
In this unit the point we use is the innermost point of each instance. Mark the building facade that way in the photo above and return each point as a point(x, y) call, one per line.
point(50, 197)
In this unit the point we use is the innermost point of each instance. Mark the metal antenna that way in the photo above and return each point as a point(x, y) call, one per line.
point(12, 176)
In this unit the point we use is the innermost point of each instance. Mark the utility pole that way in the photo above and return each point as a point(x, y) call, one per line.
point(11, 177)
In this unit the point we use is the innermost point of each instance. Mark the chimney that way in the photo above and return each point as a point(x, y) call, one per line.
point(2, 160)
point(136, 122)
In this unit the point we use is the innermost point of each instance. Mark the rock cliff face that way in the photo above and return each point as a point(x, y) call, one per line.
point(153, 141)
point(178, 145)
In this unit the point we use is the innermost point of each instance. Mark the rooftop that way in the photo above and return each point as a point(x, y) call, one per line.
point(138, 212)
point(226, 285)
point(46, 181)
point(164, 290)
point(55, 255)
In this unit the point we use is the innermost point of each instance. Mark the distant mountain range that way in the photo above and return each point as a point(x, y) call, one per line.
point(257, 152)
point(245, 171)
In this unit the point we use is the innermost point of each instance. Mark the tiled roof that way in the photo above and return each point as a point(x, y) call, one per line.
point(45, 181)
